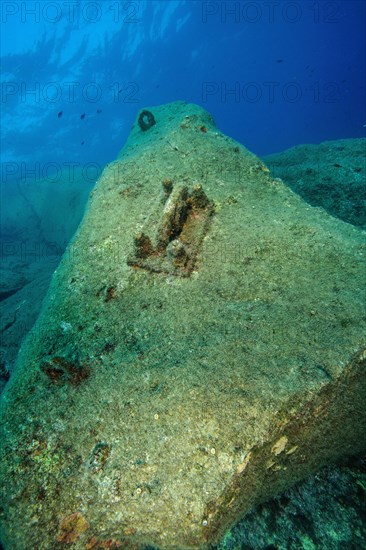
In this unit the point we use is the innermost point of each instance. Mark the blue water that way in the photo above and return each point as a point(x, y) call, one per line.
point(273, 73)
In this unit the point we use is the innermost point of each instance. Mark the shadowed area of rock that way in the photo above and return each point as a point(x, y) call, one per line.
point(201, 348)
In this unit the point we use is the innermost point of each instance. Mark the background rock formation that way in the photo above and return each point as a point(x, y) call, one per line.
point(331, 174)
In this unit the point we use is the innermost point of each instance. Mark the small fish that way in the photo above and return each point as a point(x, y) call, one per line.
point(59, 115)
point(279, 60)
point(82, 116)
point(99, 111)
point(337, 165)
point(82, 143)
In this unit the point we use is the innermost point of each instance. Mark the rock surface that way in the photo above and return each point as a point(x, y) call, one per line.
point(201, 348)
point(331, 175)
point(327, 510)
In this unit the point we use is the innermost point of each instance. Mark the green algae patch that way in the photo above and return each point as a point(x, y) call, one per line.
point(201, 348)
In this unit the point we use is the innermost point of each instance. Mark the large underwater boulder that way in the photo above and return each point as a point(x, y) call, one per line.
point(201, 348)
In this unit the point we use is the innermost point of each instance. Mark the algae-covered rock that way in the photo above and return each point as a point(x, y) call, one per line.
point(201, 348)
point(331, 175)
